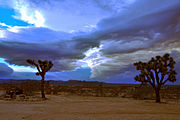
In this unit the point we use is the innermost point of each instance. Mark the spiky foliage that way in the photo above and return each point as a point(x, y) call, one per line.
point(156, 72)
point(42, 67)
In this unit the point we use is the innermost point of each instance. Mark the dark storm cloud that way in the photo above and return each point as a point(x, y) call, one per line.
point(61, 54)
point(132, 37)
point(113, 69)
point(37, 35)
point(148, 30)
point(5, 70)
point(176, 56)
point(63, 49)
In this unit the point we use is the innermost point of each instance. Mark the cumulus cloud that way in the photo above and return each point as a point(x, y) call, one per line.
point(67, 15)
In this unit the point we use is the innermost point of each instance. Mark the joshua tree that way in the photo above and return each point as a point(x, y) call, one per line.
point(156, 72)
point(42, 67)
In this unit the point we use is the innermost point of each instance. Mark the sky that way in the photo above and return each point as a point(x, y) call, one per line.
point(87, 40)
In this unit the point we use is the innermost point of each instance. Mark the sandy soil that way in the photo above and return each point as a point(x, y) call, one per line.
point(89, 108)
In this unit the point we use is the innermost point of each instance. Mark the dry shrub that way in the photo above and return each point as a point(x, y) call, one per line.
point(143, 93)
point(30, 87)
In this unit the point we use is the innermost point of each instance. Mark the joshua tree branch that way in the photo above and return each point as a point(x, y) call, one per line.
point(165, 81)
point(157, 77)
point(162, 78)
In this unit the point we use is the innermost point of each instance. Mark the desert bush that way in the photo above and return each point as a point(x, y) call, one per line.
point(143, 93)
point(30, 88)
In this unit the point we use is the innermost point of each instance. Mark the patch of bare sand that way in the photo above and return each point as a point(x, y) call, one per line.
point(89, 108)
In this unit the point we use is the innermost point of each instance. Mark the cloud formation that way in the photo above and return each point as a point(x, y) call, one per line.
point(5, 70)
point(67, 15)
point(108, 35)
point(64, 49)
point(136, 36)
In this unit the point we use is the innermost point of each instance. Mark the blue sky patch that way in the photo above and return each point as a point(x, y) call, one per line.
point(6, 16)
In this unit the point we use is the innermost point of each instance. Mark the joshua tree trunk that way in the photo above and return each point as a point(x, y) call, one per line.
point(42, 67)
point(42, 87)
point(157, 96)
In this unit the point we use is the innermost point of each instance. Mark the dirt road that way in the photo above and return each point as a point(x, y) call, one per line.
point(89, 108)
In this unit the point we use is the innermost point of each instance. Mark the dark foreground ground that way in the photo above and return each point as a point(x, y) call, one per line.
point(89, 108)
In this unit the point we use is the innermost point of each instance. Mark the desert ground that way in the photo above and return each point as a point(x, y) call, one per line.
point(89, 108)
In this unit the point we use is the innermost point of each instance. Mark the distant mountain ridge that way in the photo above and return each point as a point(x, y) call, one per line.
point(64, 83)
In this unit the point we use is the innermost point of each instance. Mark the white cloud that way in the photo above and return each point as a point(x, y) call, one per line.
point(28, 14)
point(94, 60)
point(68, 15)
point(17, 68)
point(3, 24)
point(2, 34)
point(4, 2)
point(10, 28)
